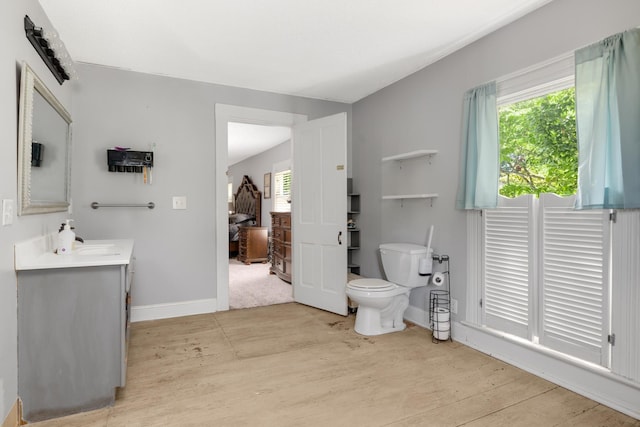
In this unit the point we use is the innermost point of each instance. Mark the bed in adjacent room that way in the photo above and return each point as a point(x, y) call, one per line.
point(248, 202)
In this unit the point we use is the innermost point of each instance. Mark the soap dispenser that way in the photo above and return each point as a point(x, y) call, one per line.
point(66, 238)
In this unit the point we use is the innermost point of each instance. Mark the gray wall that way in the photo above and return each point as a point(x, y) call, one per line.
point(175, 249)
point(424, 111)
point(15, 48)
point(255, 167)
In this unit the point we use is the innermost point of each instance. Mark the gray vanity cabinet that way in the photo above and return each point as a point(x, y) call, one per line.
point(73, 333)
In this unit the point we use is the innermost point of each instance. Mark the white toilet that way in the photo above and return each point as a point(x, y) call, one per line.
point(381, 303)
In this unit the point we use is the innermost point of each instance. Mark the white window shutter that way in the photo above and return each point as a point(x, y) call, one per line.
point(282, 191)
point(625, 293)
point(574, 276)
point(507, 268)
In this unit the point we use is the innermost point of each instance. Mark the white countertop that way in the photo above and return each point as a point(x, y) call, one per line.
point(36, 254)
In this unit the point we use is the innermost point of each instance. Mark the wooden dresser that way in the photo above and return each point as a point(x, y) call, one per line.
point(281, 245)
point(252, 245)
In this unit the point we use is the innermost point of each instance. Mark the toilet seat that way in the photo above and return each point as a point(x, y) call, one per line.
point(371, 285)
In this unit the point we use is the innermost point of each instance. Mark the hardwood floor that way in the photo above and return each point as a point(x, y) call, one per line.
point(291, 365)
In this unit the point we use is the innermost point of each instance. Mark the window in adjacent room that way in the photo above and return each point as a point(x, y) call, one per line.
point(230, 201)
point(282, 191)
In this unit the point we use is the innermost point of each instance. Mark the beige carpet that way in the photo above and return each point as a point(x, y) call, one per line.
point(253, 286)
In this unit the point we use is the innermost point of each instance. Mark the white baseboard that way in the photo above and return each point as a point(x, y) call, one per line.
point(177, 309)
point(420, 317)
point(593, 382)
point(417, 316)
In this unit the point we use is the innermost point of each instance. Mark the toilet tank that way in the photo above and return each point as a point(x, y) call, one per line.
point(400, 262)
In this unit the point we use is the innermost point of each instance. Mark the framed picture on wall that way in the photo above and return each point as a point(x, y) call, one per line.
point(267, 185)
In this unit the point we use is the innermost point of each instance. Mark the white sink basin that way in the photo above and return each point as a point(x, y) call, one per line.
point(101, 249)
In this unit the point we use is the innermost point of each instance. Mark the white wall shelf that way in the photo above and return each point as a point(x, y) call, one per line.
point(407, 180)
point(410, 155)
point(410, 196)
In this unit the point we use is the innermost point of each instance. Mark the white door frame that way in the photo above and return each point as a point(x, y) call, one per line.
point(223, 115)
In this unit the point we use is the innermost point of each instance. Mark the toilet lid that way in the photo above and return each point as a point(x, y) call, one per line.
point(371, 285)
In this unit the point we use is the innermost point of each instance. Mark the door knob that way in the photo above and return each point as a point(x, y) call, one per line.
point(339, 237)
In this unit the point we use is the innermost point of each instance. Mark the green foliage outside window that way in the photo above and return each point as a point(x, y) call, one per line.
point(539, 146)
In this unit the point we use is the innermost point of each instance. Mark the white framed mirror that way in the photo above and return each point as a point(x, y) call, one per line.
point(44, 148)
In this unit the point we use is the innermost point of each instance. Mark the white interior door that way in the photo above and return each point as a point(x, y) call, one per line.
point(319, 213)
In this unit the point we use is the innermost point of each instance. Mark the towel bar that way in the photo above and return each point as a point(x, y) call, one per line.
point(96, 205)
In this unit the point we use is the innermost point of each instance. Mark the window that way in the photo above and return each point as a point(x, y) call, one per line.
point(537, 120)
point(561, 278)
point(539, 145)
point(544, 266)
point(282, 191)
point(230, 201)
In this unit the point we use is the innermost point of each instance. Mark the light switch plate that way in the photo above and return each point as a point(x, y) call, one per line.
point(179, 202)
point(7, 212)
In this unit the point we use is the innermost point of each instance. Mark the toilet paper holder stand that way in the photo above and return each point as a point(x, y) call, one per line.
point(440, 306)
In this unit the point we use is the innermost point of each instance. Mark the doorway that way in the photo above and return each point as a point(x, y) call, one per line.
point(225, 114)
point(318, 224)
point(258, 156)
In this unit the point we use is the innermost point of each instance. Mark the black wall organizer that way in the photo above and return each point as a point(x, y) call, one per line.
point(36, 37)
point(129, 161)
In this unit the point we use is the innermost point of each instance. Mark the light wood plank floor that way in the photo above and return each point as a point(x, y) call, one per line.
point(291, 365)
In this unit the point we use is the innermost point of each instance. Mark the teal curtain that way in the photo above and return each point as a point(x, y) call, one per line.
point(480, 157)
point(608, 122)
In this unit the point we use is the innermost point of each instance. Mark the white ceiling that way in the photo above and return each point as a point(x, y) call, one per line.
point(246, 140)
point(340, 50)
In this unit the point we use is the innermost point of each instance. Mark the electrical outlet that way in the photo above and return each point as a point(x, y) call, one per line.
point(454, 306)
point(179, 202)
point(7, 212)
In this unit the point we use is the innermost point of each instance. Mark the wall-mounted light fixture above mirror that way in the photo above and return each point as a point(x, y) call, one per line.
point(45, 125)
point(51, 49)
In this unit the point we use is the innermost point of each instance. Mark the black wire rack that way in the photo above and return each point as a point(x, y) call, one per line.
point(440, 306)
